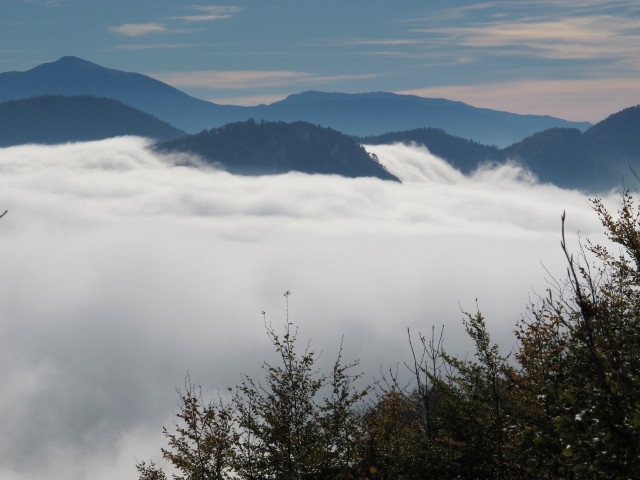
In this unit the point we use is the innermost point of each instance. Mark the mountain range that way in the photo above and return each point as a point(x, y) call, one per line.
point(75, 100)
point(354, 114)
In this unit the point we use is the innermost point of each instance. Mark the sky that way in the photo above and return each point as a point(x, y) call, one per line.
point(123, 272)
point(574, 59)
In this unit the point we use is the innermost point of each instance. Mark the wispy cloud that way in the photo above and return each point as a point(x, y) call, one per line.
point(151, 46)
point(203, 18)
point(398, 41)
point(206, 13)
point(138, 29)
point(448, 14)
point(579, 99)
point(48, 3)
point(375, 42)
point(582, 5)
point(602, 30)
point(516, 8)
point(603, 36)
point(250, 100)
point(237, 79)
point(210, 13)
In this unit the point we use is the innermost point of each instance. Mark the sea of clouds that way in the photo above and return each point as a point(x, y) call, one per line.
point(121, 272)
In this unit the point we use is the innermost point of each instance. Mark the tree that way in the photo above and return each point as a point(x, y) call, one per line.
point(203, 444)
point(280, 422)
point(298, 424)
point(289, 429)
point(580, 359)
point(150, 471)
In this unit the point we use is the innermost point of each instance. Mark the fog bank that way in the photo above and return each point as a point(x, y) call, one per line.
point(123, 271)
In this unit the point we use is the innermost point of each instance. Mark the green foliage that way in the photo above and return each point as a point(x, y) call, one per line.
point(282, 435)
point(567, 405)
point(297, 423)
point(202, 447)
point(595, 393)
point(301, 423)
point(150, 471)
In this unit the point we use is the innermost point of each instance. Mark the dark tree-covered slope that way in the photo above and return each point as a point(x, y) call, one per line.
point(59, 119)
point(600, 158)
point(596, 160)
point(463, 154)
point(262, 148)
point(559, 156)
point(617, 135)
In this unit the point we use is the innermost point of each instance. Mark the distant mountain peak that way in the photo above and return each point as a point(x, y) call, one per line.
point(317, 97)
point(68, 65)
point(72, 59)
point(310, 96)
point(68, 61)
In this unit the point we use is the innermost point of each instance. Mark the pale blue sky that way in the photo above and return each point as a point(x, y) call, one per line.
point(575, 59)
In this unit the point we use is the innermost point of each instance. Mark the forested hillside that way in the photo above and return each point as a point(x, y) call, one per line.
point(264, 148)
point(595, 160)
point(54, 119)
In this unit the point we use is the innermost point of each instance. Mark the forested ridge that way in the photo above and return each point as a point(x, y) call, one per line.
point(564, 405)
point(53, 119)
point(597, 159)
point(270, 148)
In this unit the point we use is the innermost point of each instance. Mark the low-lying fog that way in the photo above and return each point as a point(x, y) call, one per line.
point(121, 273)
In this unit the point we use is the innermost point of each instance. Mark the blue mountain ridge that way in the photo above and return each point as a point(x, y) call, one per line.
point(353, 114)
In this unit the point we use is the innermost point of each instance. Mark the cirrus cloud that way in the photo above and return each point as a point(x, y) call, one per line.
point(588, 99)
point(211, 12)
point(237, 79)
point(138, 29)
